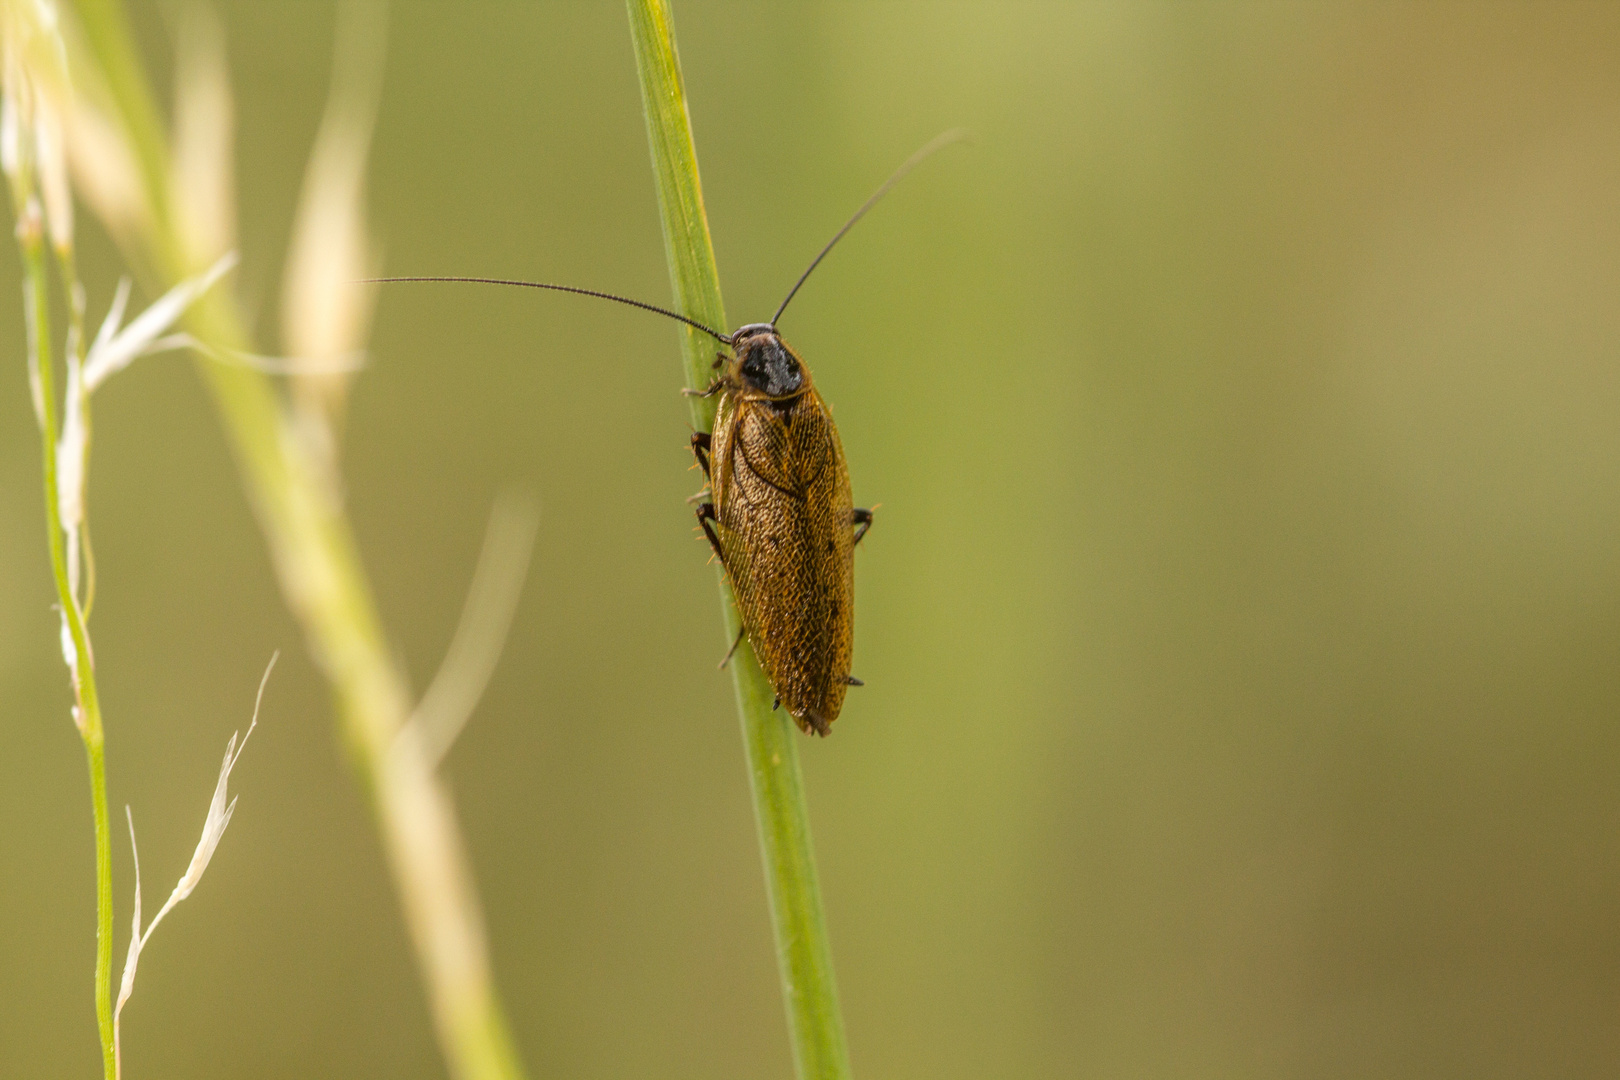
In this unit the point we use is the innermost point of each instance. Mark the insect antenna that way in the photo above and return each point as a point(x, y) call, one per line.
point(940, 142)
point(724, 339)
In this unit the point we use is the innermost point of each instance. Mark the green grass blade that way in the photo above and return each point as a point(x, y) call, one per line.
point(811, 996)
point(680, 196)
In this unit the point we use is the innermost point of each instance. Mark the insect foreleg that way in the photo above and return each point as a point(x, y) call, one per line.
point(714, 388)
point(861, 519)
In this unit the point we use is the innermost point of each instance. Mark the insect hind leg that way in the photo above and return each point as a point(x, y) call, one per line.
point(733, 650)
point(705, 516)
point(862, 520)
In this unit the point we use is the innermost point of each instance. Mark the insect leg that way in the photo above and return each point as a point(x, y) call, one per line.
point(700, 450)
point(862, 520)
point(705, 514)
point(731, 651)
point(849, 679)
point(714, 388)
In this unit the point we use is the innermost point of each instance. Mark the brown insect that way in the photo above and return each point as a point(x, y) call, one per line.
point(782, 522)
point(780, 516)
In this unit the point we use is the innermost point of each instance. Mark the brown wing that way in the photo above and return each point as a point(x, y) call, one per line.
point(782, 502)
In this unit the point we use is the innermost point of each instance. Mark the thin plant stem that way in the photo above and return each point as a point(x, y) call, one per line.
point(95, 752)
point(810, 994)
point(299, 504)
point(87, 707)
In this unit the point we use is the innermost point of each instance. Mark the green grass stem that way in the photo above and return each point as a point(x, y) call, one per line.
point(810, 994)
point(87, 715)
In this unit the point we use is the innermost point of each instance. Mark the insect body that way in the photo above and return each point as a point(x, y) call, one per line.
point(780, 517)
point(783, 524)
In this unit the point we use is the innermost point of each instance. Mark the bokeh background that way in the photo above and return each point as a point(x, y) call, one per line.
point(1240, 628)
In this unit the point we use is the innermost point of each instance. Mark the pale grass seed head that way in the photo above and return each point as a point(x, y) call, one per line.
point(49, 126)
point(486, 617)
point(204, 182)
point(112, 350)
point(326, 307)
point(105, 173)
point(220, 809)
point(37, 94)
point(115, 348)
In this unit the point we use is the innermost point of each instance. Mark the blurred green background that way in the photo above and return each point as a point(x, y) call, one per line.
point(1240, 628)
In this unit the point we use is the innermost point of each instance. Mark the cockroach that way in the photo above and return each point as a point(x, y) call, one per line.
point(779, 513)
